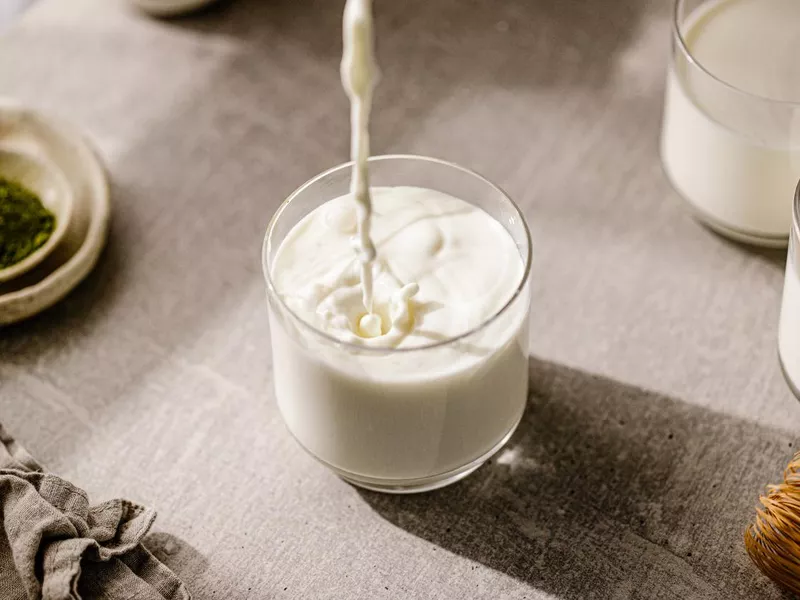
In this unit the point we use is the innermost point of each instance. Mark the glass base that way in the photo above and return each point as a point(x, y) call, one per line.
point(424, 484)
point(793, 386)
point(411, 486)
point(750, 238)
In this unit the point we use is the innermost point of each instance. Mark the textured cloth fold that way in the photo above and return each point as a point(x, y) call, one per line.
point(55, 546)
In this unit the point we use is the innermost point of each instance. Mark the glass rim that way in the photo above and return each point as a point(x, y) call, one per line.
point(676, 31)
point(273, 292)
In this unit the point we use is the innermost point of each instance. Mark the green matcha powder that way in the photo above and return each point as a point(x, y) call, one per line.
point(25, 224)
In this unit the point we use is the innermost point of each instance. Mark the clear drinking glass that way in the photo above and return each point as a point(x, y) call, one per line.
point(383, 418)
point(733, 155)
point(789, 335)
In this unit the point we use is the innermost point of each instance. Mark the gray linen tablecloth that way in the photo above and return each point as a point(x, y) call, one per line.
point(657, 410)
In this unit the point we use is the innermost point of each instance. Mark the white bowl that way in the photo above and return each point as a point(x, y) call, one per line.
point(170, 8)
point(53, 189)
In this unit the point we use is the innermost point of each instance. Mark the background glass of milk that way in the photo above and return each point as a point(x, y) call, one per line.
point(733, 150)
point(402, 419)
point(789, 335)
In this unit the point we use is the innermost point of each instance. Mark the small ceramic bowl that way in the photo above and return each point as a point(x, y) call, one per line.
point(171, 8)
point(53, 189)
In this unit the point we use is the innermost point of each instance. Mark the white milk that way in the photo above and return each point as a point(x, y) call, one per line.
point(734, 157)
point(374, 408)
point(789, 336)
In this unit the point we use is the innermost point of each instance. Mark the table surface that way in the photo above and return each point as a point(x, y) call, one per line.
point(657, 410)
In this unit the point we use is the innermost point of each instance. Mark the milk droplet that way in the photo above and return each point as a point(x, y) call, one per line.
point(369, 326)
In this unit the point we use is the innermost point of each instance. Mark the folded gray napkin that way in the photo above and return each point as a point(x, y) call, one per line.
point(54, 546)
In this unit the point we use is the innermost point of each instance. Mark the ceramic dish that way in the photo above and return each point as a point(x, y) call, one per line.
point(170, 8)
point(47, 182)
point(53, 142)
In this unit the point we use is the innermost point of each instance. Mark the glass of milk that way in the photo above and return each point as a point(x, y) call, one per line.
point(730, 142)
point(403, 419)
point(789, 334)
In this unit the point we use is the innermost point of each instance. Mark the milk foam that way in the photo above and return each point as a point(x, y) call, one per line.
point(443, 267)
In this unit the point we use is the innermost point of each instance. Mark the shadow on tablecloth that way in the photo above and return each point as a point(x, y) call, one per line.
point(608, 491)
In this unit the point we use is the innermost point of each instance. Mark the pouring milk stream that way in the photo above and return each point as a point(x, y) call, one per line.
point(359, 75)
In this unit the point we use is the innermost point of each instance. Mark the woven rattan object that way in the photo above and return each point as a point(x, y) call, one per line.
point(773, 541)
